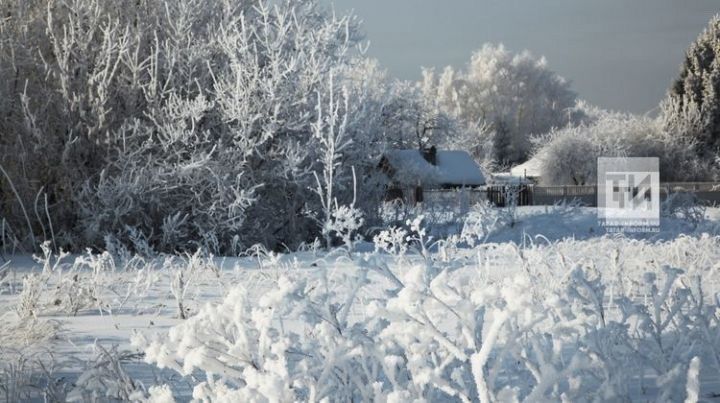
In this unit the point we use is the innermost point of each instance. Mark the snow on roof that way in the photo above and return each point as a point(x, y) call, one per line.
point(453, 168)
point(531, 168)
point(459, 168)
point(508, 178)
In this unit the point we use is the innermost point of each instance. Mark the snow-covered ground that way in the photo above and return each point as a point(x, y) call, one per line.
point(548, 308)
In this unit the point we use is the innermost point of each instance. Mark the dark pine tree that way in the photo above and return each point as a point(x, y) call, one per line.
point(692, 107)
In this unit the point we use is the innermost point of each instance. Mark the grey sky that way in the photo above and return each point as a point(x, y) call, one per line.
point(619, 54)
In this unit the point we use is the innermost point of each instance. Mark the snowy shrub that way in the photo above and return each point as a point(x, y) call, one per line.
point(159, 394)
point(75, 293)
point(76, 286)
point(331, 133)
point(253, 356)
point(118, 279)
point(392, 240)
point(511, 195)
point(442, 214)
point(482, 220)
point(91, 281)
point(29, 376)
point(447, 359)
point(105, 378)
point(183, 274)
point(559, 324)
point(683, 205)
point(257, 350)
point(19, 332)
point(187, 122)
point(345, 223)
point(569, 159)
point(569, 156)
point(33, 287)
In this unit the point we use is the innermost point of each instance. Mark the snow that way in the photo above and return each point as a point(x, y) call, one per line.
point(409, 167)
point(438, 320)
point(531, 168)
point(459, 168)
point(508, 178)
point(447, 303)
point(455, 168)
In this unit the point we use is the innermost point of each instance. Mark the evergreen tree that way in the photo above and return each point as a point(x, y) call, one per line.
point(692, 107)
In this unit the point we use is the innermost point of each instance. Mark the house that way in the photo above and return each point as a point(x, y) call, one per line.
point(508, 178)
point(530, 169)
point(412, 171)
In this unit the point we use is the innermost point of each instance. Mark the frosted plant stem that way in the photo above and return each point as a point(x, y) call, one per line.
point(693, 381)
point(22, 206)
point(478, 360)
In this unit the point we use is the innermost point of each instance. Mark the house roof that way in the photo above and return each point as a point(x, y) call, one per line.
point(531, 168)
point(456, 168)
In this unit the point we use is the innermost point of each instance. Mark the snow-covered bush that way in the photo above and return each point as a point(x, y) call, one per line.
point(249, 126)
point(331, 133)
point(444, 213)
point(159, 394)
point(33, 296)
point(19, 332)
point(392, 240)
point(482, 220)
point(685, 206)
point(33, 287)
point(569, 156)
point(75, 286)
point(257, 350)
point(96, 281)
point(187, 122)
point(29, 376)
point(105, 378)
point(559, 325)
point(569, 159)
point(184, 272)
point(346, 221)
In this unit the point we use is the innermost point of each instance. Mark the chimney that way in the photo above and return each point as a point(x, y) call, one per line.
point(430, 155)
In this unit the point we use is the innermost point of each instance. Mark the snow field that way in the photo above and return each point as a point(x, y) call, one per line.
point(603, 318)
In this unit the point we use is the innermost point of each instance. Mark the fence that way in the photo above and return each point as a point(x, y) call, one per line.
point(499, 195)
point(548, 195)
point(535, 195)
point(707, 192)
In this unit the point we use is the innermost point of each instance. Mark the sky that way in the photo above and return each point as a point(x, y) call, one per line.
point(619, 54)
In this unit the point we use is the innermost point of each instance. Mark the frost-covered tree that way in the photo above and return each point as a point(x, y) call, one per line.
point(570, 159)
point(516, 95)
point(187, 121)
point(569, 156)
point(415, 121)
point(692, 106)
